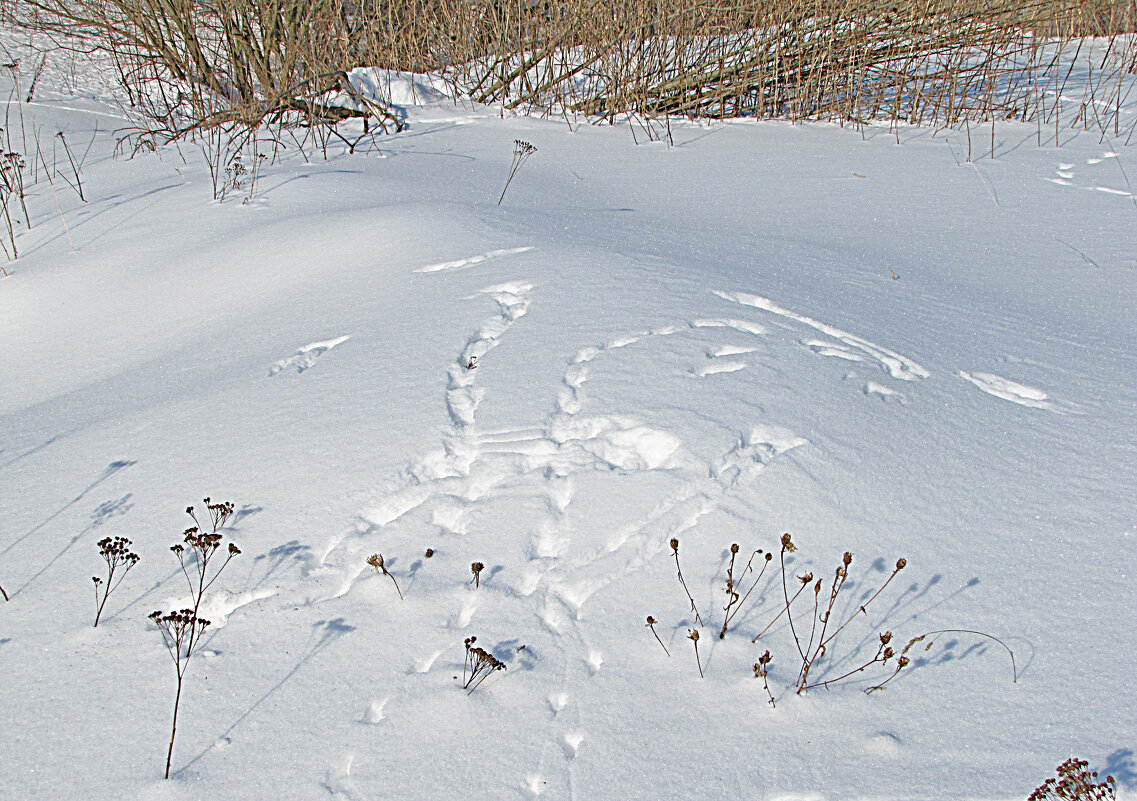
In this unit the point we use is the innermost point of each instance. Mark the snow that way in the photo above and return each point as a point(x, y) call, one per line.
point(757, 329)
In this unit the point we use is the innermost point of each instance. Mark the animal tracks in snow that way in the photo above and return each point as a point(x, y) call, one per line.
point(896, 365)
point(1065, 174)
point(458, 264)
point(307, 356)
point(462, 396)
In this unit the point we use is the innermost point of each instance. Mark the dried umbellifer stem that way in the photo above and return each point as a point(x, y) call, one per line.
point(762, 671)
point(651, 621)
point(376, 561)
point(693, 636)
point(675, 552)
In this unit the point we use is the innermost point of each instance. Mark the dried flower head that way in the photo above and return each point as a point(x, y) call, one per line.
point(900, 563)
point(787, 543)
point(429, 552)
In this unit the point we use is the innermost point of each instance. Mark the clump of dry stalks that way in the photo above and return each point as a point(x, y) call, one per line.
point(816, 629)
point(189, 66)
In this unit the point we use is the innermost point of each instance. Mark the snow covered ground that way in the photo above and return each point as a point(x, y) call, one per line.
point(758, 329)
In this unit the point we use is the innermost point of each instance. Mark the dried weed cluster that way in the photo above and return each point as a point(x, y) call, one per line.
point(120, 559)
point(814, 630)
point(479, 665)
point(1075, 782)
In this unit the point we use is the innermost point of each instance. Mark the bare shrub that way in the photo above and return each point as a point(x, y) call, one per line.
point(189, 65)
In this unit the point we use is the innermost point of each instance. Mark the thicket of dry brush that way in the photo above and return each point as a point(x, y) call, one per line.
point(190, 64)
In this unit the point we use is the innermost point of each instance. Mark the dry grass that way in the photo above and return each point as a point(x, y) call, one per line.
point(189, 64)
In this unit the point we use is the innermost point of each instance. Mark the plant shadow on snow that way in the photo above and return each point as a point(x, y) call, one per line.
point(103, 512)
point(272, 562)
point(1122, 766)
point(108, 471)
point(515, 654)
point(84, 219)
point(324, 632)
point(35, 449)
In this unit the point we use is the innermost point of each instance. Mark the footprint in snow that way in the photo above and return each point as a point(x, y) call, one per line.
point(1008, 390)
point(533, 785)
point(885, 393)
point(374, 712)
point(570, 743)
point(558, 701)
point(307, 356)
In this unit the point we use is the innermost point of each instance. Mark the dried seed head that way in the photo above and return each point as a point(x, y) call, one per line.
point(769, 556)
point(675, 544)
point(233, 549)
point(651, 621)
point(886, 638)
point(693, 634)
point(900, 563)
point(477, 567)
point(376, 561)
point(734, 547)
point(808, 577)
point(847, 559)
point(902, 662)
point(787, 543)
point(765, 658)
point(429, 552)
point(888, 654)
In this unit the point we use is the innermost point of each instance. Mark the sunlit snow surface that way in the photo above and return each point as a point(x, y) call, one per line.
point(753, 330)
